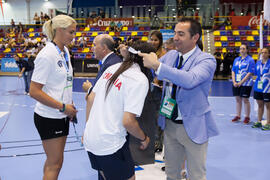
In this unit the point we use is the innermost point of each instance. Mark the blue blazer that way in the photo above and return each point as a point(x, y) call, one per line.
point(111, 60)
point(194, 82)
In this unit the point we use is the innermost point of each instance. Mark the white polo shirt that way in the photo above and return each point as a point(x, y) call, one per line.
point(50, 70)
point(104, 133)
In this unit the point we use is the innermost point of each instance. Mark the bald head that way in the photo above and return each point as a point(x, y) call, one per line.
point(105, 40)
point(103, 45)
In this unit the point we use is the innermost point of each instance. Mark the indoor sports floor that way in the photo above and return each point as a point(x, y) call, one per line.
point(238, 153)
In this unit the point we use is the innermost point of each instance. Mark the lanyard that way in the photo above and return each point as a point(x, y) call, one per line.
point(262, 67)
point(185, 61)
point(63, 55)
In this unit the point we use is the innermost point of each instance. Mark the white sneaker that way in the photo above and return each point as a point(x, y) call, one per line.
point(184, 174)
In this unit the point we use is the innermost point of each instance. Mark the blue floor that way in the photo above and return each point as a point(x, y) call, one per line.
point(238, 153)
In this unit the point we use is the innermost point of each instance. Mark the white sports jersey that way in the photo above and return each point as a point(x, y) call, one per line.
point(104, 133)
point(51, 71)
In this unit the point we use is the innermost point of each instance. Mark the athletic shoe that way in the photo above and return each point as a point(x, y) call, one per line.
point(266, 127)
point(236, 119)
point(257, 125)
point(184, 174)
point(163, 168)
point(246, 120)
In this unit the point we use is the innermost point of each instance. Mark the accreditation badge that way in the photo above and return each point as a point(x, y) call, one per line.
point(167, 107)
point(238, 77)
point(67, 92)
point(260, 85)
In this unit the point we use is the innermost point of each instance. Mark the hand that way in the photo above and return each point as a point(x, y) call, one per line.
point(86, 85)
point(70, 110)
point(150, 60)
point(123, 50)
point(145, 143)
point(235, 84)
point(238, 84)
point(20, 75)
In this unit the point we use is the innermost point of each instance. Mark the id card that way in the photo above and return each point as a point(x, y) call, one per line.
point(238, 77)
point(67, 92)
point(260, 85)
point(167, 107)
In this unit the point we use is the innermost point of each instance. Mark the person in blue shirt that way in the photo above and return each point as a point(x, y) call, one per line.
point(262, 88)
point(242, 70)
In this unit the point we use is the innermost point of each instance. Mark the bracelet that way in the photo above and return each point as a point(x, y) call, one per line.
point(145, 137)
point(63, 109)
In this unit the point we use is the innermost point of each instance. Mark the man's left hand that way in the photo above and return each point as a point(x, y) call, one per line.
point(150, 60)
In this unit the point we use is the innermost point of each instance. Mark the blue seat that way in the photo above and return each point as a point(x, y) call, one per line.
point(122, 33)
point(222, 28)
point(256, 38)
point(252, 44)
point(241, 27)
point(242, 33)
point(230, 38)
point(247, 28)
point(223, 33)
point(229, 33)
point(136, 28)
point(224, 44)
point(237, 38)
point(140, 33)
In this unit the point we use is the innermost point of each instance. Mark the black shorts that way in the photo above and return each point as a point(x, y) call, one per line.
point(242, 91)
point(51, 128)
point(262, 96)
point(116, 166)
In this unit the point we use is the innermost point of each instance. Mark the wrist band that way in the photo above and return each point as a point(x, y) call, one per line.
point(63, 109)
point(145, 137)
point(90, 90)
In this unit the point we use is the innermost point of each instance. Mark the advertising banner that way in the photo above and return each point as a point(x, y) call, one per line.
point(247, 21)
point(104, 22)
point(9, 65)
point(167, 34)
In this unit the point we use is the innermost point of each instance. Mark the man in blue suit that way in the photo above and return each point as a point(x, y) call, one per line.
point(103, 51)
point(187, 73)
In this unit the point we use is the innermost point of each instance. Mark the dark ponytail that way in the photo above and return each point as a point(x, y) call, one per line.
point(142, 46)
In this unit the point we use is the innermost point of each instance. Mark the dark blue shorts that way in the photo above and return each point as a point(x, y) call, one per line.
point(242, 91)
point(262, 96)
point(116, 166)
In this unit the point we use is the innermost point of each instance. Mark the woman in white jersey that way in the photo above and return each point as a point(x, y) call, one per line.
point(51, 86)
point(117, 98)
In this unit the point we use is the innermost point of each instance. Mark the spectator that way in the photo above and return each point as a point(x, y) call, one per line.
point(169, 45)
point(12, 23)
point(46, 17)
point(42, 19)
point(119, 26)
point(112, 25)
point(93, 14)
point(36, 20)
point(218, 59)
point(102, 13)
point(24, 69)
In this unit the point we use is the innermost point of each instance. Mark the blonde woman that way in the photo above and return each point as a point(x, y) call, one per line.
point(51, 86)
